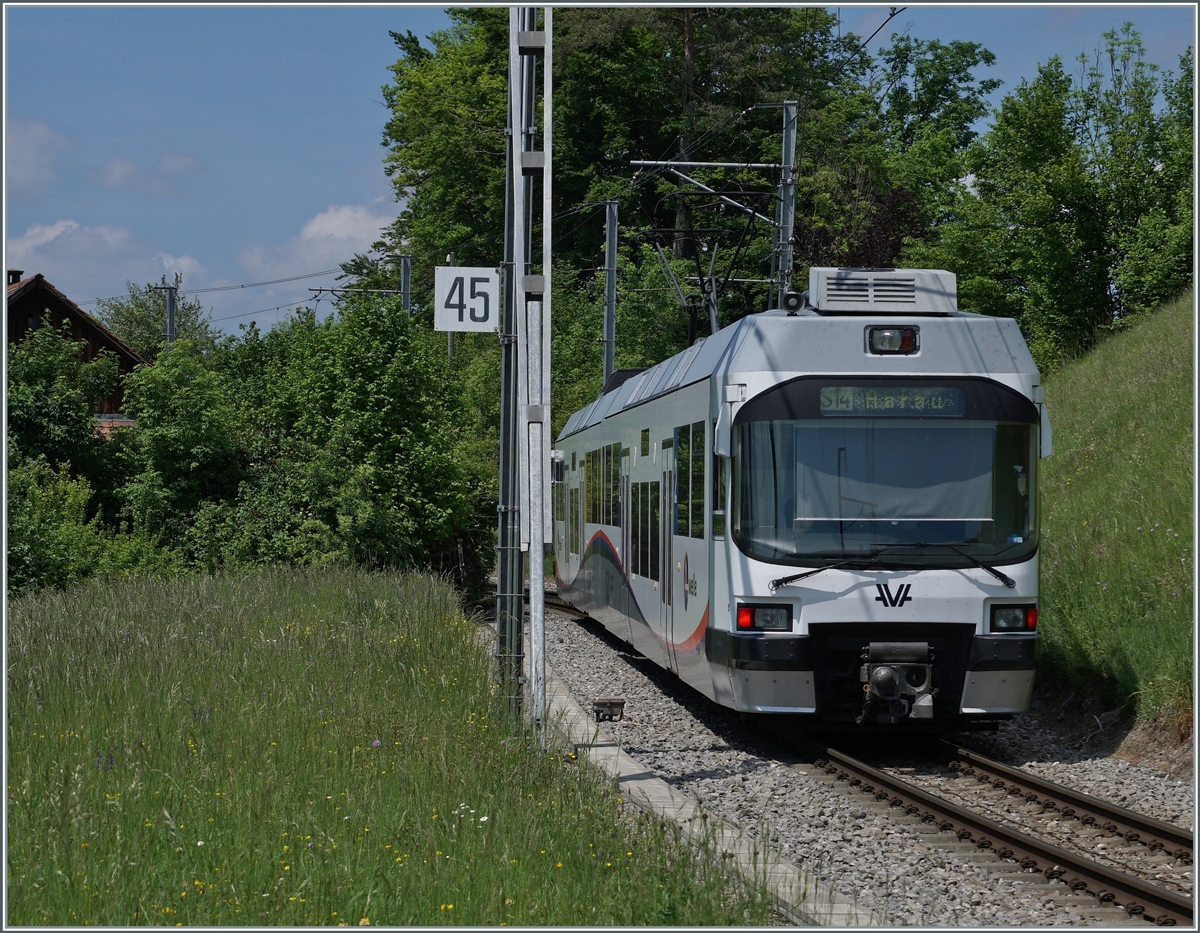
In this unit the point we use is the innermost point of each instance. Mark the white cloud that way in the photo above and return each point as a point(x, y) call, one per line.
point(191, 269)
point(331, 237)
point(157, 178)
point(87, 262)
point(119, 173)
point(30, 150)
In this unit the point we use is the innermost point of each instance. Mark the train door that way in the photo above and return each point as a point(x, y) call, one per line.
point(666, 549)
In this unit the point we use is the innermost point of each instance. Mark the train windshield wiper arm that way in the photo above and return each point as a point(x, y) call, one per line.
point(999, 575)
point(871, 558)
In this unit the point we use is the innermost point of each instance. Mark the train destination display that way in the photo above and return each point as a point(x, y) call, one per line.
point(892, 400)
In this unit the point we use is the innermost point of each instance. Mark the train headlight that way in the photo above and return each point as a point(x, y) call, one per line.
point(893, 339)
point(1014, 618)
point(764, 618)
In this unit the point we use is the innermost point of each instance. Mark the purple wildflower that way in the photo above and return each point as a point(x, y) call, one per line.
point(376, 744)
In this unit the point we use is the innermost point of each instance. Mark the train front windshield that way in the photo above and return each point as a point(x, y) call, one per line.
point(884, 465)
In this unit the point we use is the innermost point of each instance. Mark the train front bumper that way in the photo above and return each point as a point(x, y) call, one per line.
point(822, 674)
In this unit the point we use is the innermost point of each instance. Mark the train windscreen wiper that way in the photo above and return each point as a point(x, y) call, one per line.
point(872, 558)
point(999, 575)
point(865, 559)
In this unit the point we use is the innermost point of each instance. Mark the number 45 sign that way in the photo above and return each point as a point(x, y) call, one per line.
point(466, 299)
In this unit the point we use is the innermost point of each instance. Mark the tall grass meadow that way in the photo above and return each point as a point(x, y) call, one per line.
point(1117, 555)
point(292, 747)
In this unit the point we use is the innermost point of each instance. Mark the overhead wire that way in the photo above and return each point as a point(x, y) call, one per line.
point(225, 288)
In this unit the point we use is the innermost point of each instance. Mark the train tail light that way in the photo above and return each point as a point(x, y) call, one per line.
point(773, 618)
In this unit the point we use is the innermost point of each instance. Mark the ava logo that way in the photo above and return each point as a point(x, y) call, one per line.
point(885, 595)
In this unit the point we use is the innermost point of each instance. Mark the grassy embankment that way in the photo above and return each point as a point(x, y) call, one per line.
point(1117, 519)
point(306, 748)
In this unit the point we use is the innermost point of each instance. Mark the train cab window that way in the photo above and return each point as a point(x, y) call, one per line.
point(924, 472)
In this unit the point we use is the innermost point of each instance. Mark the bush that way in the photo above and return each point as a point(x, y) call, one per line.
point(51, 541)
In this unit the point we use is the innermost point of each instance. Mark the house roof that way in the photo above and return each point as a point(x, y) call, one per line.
point(28, 290)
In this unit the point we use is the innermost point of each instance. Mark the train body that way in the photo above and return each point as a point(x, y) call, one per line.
point(828, 511)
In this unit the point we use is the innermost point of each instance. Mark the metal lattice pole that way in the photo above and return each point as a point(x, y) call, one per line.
point(610, 288)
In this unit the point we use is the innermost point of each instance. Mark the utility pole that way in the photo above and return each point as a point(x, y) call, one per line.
point(405, 261)
point(510, 575)
point(610, 288)
point(170, 290)
point(531, 310)
point(787, 202)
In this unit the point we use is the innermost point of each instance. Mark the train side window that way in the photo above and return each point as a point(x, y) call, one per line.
point(655, 534)
point(594, 487)
point(605, 487)
point(697, 487)
point(683, 474)
point(645, 442)
point(635, 528)
point(614, 485)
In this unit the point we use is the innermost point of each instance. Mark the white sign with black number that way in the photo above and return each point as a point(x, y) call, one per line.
point(466, 298)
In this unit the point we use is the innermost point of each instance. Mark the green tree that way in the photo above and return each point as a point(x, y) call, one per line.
point(931, 103)
point(140, 319)
point(358, 448)
point(1141, 157)
point(52, 399)
point(186, 440)
point(446, 142)
point(1029, 238)
point(929, 87)
point(50, 538)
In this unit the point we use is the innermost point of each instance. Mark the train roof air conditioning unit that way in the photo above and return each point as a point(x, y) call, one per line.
point(882, 291)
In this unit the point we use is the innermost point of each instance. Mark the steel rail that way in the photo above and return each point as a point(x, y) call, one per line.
point(1075, 805)
point(1137, 897)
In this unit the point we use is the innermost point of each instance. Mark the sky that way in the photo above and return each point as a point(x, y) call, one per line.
point(239, 145)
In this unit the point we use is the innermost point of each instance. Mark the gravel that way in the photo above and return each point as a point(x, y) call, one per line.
point(883, 864)
point(1030, 744)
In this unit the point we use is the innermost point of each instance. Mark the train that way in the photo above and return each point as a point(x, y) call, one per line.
point(826, 511)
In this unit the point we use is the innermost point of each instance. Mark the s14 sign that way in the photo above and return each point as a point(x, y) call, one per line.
point(466, 298)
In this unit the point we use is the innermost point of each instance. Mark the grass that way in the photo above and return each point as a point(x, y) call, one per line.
point(1117, 519)
point(299, 748)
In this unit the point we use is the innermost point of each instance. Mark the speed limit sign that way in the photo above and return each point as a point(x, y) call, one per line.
point(466, 298)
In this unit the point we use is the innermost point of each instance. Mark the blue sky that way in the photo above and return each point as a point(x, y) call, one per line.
point(242, 144)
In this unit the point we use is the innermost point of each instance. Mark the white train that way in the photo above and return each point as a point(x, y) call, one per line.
point(828, 510)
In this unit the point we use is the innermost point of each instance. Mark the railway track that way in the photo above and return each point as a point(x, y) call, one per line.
point(1030, 854)
point(1038, 829)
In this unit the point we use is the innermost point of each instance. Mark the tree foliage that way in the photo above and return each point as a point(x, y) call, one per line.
point(140, 318)
point(1074, 209)
point(359, 438)
point(52, 395)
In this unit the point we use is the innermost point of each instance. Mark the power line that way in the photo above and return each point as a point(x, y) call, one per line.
point(264, 311)
point(225, 288)
point(228, 288)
